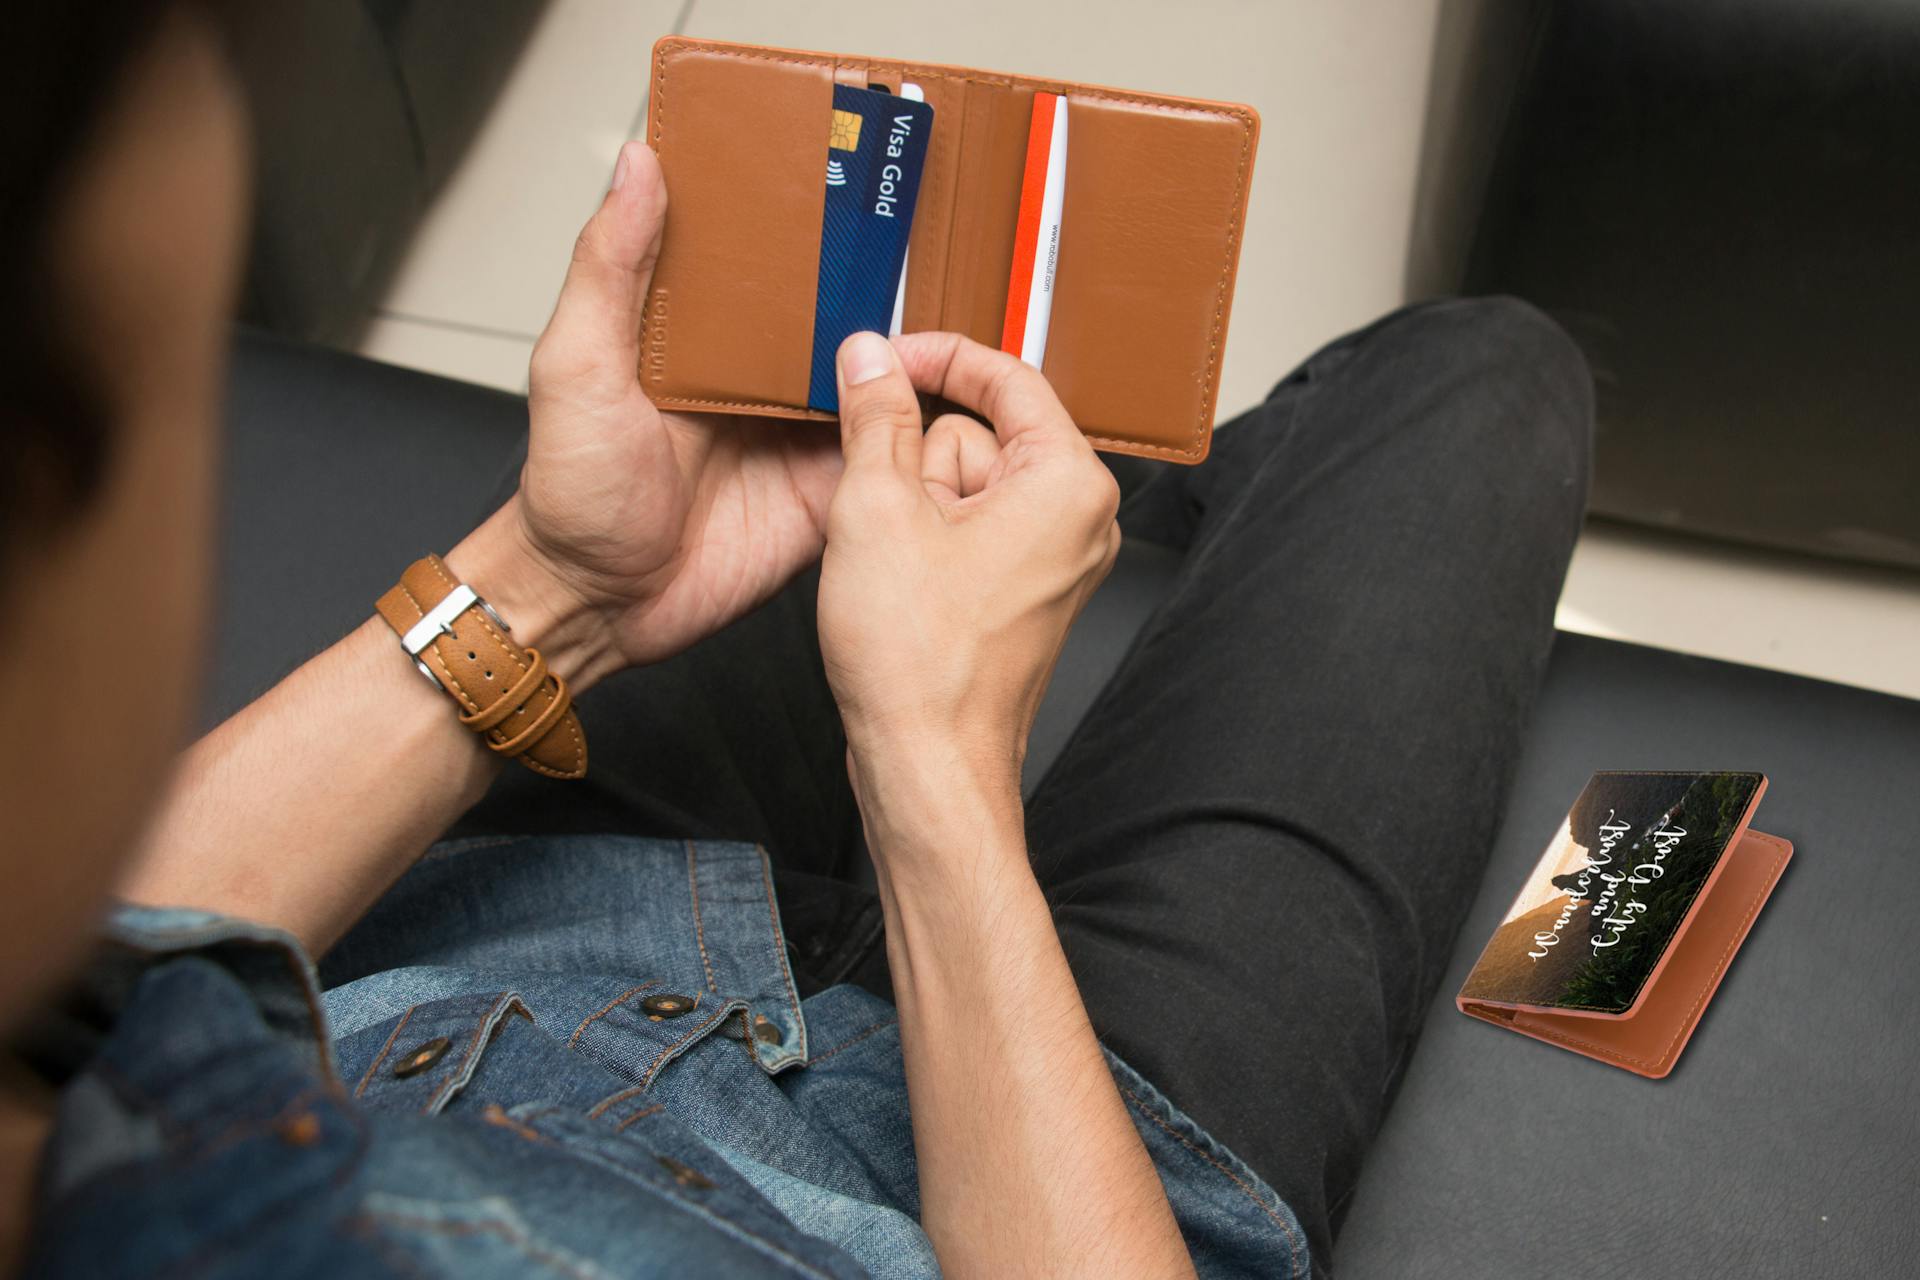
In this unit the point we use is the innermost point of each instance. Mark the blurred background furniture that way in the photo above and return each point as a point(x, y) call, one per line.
point(360, 109)
point(1720, 200)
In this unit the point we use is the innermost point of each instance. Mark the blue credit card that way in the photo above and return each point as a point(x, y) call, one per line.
point(876, 146)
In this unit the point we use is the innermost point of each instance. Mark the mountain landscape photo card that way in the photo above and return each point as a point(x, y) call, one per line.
point(1613, 890)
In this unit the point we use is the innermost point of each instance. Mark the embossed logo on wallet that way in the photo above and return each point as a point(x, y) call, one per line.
point(653, 360)
point(1612, 890)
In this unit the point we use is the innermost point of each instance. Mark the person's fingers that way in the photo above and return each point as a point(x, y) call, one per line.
point(957, 454)
point(1009, 393)
point(593, 339)
point(879, 413)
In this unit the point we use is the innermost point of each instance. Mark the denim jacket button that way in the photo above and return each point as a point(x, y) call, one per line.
point(685, 1175)
point(422, 1057)
point(668, 1006)
point(765, 1028)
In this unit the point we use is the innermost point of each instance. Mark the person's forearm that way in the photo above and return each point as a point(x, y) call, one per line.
point(303, 808)
point(1029, 1163)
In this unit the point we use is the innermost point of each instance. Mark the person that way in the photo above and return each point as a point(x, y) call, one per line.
point(1143, 1024)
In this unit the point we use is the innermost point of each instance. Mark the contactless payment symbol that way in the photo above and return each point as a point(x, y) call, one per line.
point(843, 136)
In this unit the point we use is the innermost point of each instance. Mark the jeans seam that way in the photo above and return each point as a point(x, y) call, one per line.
point(699, 924)
point(671, 1051)
point(780, 958)
point(385, 1049)
point(611, 1005)
point(1295, 1244)
point(641, 1114)
point(853, 1040)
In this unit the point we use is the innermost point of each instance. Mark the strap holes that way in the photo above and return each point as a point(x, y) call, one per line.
point(472, 656)
point(489, 675)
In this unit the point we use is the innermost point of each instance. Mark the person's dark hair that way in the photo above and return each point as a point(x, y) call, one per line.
point(59, 68)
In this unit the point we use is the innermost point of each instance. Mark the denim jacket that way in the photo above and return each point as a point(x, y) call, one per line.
point(581, 1057)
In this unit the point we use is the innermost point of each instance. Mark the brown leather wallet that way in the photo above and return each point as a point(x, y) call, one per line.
point(1156, 196)
point(505, 693)
point(1693, 896)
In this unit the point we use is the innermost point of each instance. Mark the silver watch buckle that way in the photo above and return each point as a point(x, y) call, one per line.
point(439, 622)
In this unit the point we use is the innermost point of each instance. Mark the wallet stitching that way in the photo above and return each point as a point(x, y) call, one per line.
point(1196, 446)
point(1706, 988)
point(933, 71)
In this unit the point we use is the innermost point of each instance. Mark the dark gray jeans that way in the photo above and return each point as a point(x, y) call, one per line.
point(1262, 838)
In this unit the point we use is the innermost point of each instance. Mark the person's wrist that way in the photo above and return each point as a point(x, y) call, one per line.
point(929, 754)
point(544, 611)
point(935, 805)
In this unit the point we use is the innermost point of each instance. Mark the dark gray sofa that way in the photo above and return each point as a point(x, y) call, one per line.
point(1786, 1143)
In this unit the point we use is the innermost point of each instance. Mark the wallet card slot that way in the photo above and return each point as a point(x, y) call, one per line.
point(930, 244)
point(729, 318)
point(986, 209)
point(1150, 226)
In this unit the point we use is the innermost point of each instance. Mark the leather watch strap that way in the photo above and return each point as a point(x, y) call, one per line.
point(506, 693)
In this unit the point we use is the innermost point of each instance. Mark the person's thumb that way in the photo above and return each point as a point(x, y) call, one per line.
point(594, 335)
point(879, 412)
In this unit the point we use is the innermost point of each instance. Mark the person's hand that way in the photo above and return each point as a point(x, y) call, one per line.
point(636, 532)
point(955, 561)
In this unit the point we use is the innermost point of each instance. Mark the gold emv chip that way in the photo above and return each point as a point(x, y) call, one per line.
point(845, 135)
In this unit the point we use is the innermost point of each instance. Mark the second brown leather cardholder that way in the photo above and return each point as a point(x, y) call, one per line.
point(1149, 240)
point(1631, 918)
